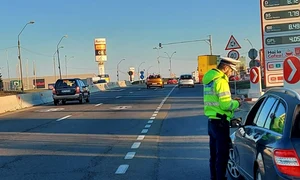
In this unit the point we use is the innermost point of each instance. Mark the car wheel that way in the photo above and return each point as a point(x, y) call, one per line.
point(232, 168)
point(87, 100)
point(55, 102)
point(64, 102)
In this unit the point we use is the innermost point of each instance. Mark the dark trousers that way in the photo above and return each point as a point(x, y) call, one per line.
point(218, 132)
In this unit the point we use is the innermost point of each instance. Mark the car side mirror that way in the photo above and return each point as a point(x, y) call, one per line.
point(236, 123)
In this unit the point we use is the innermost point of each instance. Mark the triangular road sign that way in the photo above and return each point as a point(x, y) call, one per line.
point(232, 44)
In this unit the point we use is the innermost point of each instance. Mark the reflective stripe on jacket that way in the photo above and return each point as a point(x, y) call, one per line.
point(217, 95)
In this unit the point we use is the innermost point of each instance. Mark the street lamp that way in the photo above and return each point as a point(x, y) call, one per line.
point(158, 58)
point(170, 59)
point(148, 70)
point(66, 61)
point(57, 49)
point(54, 64)
point(249, 42)
point(118, 69)
point(19, 55)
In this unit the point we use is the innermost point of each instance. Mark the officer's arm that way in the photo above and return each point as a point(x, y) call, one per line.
point(223, 92)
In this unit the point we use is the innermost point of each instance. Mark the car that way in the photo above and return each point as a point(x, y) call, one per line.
point(186, 80)
point(172, 81)
point(154, 81)
point(266, 144)
point(69, 90)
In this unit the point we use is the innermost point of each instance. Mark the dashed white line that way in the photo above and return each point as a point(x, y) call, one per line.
point(140, 137)
point(135, 145)
point(155, 112)
point(122, 169)
point(148, 126)
point(152, 118)
point(154, 115)
point(98, 104)
point(64, 118)
point(118, 97)
point(130, 92)
point(130, 155)
point(150, 121)
point(144, 131)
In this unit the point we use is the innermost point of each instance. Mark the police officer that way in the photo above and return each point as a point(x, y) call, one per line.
point(219, 107)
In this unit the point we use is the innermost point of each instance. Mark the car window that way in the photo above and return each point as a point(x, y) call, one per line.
point(278, 119)
point(254, 111)
point(264, 113)
point(66, 83)
point(271, 115)
point(185, 77)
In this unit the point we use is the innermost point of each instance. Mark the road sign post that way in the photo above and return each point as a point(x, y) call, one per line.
point(255, 75)
point(291, 72)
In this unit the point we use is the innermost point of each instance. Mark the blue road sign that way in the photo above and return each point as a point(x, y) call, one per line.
point(142, 72)
point(142, 76)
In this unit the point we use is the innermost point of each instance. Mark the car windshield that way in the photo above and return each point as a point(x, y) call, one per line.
point(66, 83)
point(186, 77)
point(102, 81)
point(154, 76)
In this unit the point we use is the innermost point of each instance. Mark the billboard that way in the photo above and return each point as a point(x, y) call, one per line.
point(40, 83)
point(280, 25)
point(100, 49)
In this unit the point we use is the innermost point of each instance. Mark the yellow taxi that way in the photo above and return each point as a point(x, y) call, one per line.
point(154, 81)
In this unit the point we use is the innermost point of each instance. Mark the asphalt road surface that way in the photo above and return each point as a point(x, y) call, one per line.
point(127, 133)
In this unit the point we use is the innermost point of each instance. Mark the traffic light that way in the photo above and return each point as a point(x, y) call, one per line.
point(159, 45)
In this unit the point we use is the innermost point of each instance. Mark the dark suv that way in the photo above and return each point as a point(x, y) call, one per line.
point(70, 89)
point(267, 144)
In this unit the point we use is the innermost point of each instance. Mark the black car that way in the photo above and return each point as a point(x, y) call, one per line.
point(267, 144)
point(70, 89)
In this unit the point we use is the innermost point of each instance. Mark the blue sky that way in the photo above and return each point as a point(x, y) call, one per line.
point(131, 28)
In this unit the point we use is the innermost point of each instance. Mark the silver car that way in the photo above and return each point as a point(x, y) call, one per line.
point(186, 80)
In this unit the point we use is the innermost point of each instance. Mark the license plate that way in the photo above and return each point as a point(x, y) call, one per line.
point(65, 91)
point(154, 83)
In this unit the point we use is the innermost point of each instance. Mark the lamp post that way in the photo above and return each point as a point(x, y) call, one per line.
point(170, 59)
point(54, 64)
point(66, 65)
point(148, 70)
point(57, 49)
point(249, 42)
point(118, 69)
point(158, 58)
point(19, 55)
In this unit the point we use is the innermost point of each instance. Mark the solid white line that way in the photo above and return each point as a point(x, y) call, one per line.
point(150, 121)
point(135, 145)
point(118, 97)
point(64, 118)
point(98, 104)
point(140, 137)
point(130, 155)
point(155, 112)
point(152, 118)
point(122, 169)
point(144, 131)
point(148, 126)
point(154, 115)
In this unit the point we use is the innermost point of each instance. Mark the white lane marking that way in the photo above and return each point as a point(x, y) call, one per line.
point(122, 169)
point(139, 89)
point(155, 112)
point(64, 118)
point(118, 97)
point(152, 118)
point(130, 92)
point(135, 145)
point(130, 155)
point(140, 137)
point(98, 104)
point(159, 107)
point(154, 115)
point(144, 131)
point(150, 121)
point(155, 89)
point(148, 126)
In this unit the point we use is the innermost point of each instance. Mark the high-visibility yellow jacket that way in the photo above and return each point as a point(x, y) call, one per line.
point(217, 95)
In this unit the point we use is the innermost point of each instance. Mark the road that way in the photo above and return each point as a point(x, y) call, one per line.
point(126, 133)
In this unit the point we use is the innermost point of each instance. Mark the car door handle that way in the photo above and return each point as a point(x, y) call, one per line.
point(256, 136)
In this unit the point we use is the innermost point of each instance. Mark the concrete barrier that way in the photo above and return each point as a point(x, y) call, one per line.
point(15, 102)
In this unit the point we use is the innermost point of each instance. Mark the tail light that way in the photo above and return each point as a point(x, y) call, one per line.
point(53, 91)
point(77, 90)
point(287, 162)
